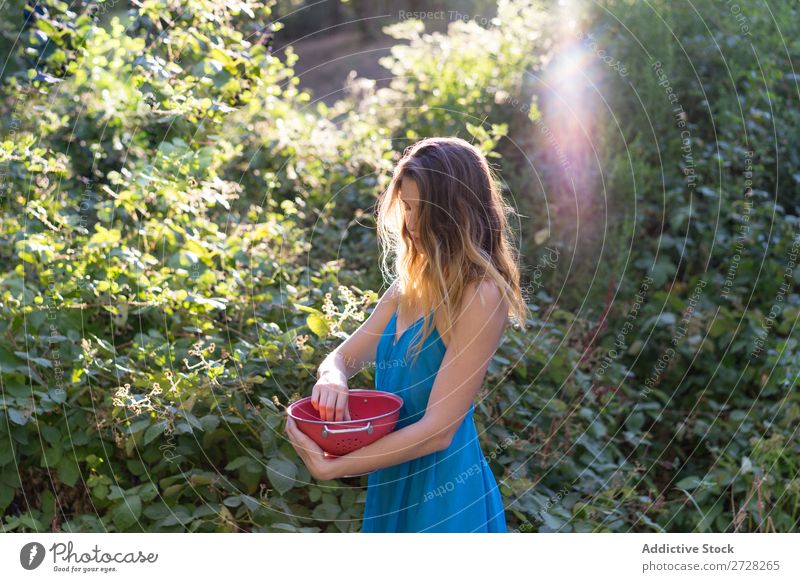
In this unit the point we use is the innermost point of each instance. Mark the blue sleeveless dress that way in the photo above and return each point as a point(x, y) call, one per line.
point(449, 491)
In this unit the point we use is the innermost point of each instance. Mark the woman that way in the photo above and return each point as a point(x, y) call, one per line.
point(456, 281)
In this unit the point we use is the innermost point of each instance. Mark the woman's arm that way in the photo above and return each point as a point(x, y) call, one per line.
point(473, 341)
point(330, 392)
point(360, 348)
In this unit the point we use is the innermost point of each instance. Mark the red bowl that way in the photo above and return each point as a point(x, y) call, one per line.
point(373, 415)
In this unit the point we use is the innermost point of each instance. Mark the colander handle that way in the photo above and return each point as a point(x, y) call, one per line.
point(326, 431)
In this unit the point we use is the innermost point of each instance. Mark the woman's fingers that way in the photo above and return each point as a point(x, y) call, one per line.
point(341, 406)
point(289, 433)
point(323, 405)
point(290, 426)
point(346, 409)
point(292, 431)
point(327, 405)
point(329, 399)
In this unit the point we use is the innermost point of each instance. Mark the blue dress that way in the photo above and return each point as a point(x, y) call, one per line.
point(449, 491)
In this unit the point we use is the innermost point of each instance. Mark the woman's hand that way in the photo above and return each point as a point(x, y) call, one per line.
point(329, 397)
point(310, 452)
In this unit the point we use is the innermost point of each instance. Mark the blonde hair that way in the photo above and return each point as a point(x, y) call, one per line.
point(462, 228)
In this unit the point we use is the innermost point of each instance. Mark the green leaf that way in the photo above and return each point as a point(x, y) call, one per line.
point(281, 474)
point(31, 522)
point(306, 308)
point(206, 510)
point(551, 520)
point(58, 396)
point(51, 456)
point(51, 434)
point(661, 271)
point(667, 319)
point(27, 257)
point(236, 463)
point(192, 421)
point(154, 431)
point(6, 452)
point(157, 511)
point(6, 496)
point(326, 511)
point(136, 426)
point(174, 490)
point(104, 237)
point(68, 471)
point(318, 324)
point(8, 360)
point(689, 482)
point(44, 362)
point(127, 512)
point(11, 478)
point(251, 502)
point(201, 479)
point(180, 515)
point(209, 422)
point(17, 416)
point(747, 465)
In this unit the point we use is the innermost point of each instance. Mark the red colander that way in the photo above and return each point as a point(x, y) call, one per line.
point(373, 414)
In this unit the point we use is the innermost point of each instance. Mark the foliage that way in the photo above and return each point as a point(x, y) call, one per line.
point(148, 303)
point(717, 144)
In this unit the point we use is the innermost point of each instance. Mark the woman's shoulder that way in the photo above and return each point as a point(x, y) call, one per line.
point(485, 296)
point(483, 308)
point(481, 302)
point(392, 294)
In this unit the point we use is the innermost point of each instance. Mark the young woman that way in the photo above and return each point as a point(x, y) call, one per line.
point(443, 227)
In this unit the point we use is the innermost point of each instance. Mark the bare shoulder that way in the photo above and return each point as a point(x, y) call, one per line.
point(484, 300)
point(391, 296)
point(482, 316)
point(387, 303)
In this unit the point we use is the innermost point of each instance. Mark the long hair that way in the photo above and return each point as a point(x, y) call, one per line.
point(462, 229)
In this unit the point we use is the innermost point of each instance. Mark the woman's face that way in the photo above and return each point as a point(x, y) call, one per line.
point(409, 200)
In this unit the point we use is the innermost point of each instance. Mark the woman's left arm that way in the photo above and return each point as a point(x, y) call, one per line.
point(474, 339)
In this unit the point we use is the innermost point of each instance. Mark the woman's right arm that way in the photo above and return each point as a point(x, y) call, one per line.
point(329, 395)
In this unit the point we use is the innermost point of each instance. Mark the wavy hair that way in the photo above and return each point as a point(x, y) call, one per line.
point(462, 229)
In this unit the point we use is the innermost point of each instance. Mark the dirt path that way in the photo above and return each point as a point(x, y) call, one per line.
point(326, 58)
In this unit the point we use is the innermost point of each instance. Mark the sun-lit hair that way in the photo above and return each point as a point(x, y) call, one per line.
point(463, 232)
